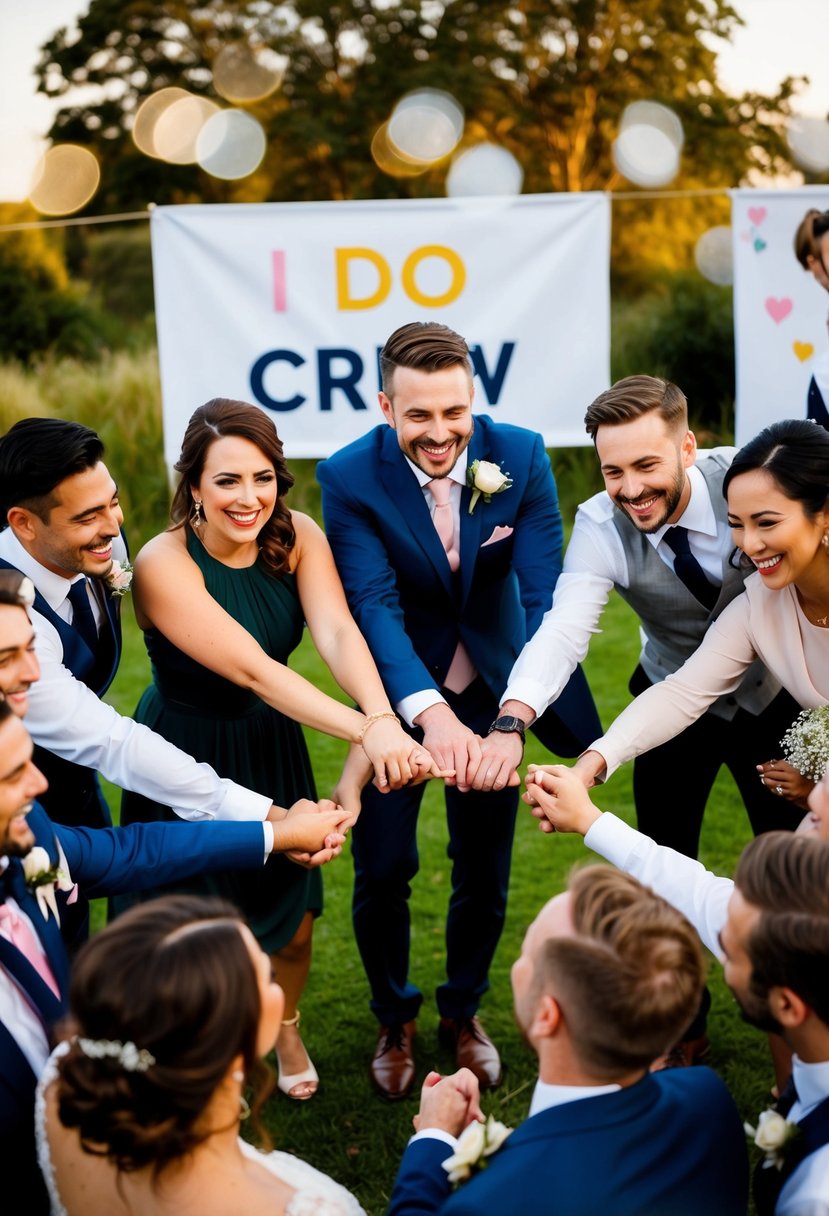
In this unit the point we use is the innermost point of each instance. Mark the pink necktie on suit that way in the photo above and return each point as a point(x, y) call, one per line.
point(461, 671)
point(26, 942)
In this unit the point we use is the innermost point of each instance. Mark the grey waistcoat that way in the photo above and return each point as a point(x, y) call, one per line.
point(673, 619)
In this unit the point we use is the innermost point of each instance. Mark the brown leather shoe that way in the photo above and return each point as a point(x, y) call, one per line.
point(683, 1054)
point(473, 1049)
point(392, 1069)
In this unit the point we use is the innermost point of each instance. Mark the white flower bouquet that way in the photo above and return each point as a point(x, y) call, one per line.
point(806, 742)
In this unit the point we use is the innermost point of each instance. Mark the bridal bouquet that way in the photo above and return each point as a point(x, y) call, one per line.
point(806, 742)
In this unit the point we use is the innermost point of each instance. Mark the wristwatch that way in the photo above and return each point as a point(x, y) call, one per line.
point(508, 726)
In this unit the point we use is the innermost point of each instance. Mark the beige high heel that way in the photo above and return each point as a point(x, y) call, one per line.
point(287, 1083)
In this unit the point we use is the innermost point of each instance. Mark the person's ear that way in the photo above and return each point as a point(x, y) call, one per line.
point(21, 522)
point(387, 408)
point(787, 1008)
point(688, 449)
point(548, 1018)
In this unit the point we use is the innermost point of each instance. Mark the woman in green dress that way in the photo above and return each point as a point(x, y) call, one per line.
point(222, 597)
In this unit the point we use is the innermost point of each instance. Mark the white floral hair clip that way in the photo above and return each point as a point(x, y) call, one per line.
point(130, 1057)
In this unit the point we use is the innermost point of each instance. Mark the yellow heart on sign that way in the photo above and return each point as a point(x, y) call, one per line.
point(803, 350)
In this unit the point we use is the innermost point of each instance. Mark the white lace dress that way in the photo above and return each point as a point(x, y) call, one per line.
point(315, 1194)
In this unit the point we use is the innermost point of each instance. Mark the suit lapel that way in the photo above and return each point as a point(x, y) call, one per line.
point(47, 929)
point(406, 498)
point(470, 525)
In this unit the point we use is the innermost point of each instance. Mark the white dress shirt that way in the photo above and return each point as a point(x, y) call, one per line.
point(67, 718)
point(703, 898)
point(594, 563)
point(416, 702)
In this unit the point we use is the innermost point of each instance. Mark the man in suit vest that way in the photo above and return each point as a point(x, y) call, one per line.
point(608, 975)
point(770, 928)
point(447, 536)
point(659, 535)
point(61, 520)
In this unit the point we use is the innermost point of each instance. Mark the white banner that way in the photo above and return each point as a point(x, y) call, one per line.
point(287, 305)
point(780, 312)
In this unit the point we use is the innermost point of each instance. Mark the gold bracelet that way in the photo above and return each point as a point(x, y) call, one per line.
point(386, 713)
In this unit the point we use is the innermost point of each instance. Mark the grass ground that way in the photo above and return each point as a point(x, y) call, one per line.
point(347, 1130)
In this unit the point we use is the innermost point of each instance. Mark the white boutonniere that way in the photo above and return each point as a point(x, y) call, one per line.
point(43, 879)
point(773, 1134)
point(475, 1144)
point(806, 742)
point(485, 478)
point(119, 578)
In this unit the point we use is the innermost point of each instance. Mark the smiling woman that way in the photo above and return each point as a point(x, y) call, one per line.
point(776, 490)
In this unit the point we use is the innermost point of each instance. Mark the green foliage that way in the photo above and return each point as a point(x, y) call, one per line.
point(119, 269)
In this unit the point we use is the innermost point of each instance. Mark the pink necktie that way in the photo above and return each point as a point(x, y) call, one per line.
point(25, 940)
point(461, 671)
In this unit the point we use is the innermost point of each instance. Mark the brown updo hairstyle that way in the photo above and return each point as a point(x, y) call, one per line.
point(214, 420)
point(174, 977)
point(811, 228)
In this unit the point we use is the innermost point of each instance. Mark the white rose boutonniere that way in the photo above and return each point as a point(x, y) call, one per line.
point(485, 478)
point(119, 578)
point(475, 1144)
point(772, 1134)
point(43, 878)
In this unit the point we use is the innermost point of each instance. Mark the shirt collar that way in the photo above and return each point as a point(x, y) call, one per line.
point(698, 516)
point(811, 1082)
point(458, 473)
point(53, 587)
point(546, 1096)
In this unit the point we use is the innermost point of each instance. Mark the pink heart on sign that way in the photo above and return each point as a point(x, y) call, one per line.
point(757, 214)
point(778, 310)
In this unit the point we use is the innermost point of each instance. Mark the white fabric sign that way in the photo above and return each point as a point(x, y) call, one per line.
point(780, 311)
point(287, 305)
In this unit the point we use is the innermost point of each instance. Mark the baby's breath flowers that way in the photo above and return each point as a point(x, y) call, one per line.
point(806, 742)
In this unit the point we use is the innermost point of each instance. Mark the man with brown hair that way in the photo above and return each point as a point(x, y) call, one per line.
point(607, 977)
point(447, 535)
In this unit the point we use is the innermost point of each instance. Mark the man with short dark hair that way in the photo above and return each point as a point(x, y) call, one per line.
point(62, 518)
point(447, 536)
point(770, 928)
point(607, 977)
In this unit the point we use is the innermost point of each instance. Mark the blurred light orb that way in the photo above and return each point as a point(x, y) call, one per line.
point(148, 114)
point(713, 254)
point(388, 161)
point(65, 179)
point(484, 169)
point(231, 144)
point(648, 146)
point(425, 125)
point(177, 129)
point(808, 139)
point(243, 75)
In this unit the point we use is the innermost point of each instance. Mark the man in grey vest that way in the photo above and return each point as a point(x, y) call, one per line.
point(659, 535)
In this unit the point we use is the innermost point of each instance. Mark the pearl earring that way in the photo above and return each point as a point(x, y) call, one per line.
point(244, 1105)
point(824, 540)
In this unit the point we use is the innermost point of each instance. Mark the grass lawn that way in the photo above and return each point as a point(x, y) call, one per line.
point(349, 1131)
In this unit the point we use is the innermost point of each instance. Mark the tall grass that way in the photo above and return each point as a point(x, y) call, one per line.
point(347, 1130)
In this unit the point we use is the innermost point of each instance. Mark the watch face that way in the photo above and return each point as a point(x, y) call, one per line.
point(508, 725)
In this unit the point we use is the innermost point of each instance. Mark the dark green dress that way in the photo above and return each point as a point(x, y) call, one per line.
point(240, 736)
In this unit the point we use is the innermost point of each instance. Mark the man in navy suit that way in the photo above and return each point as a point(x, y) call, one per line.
point(447, 535)
point(608, 975)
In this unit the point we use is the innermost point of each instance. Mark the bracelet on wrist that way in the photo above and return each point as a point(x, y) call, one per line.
point(372, 718)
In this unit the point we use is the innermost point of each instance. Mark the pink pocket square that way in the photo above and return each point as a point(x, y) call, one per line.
point(499, 533)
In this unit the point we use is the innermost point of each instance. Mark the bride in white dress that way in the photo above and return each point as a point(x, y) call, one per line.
point(138, 1111)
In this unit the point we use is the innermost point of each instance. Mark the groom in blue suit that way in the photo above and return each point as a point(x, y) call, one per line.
point(447, 535)
point(608, 975)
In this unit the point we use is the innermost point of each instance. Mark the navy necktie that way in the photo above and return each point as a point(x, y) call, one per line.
point(83, 618)
point(688, 569)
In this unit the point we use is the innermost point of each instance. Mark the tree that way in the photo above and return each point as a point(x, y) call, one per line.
point(548, 79)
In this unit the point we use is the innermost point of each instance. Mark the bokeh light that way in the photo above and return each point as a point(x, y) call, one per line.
point(243, 75)
point(148, 114)
point(648, 147)
point(387, 159)
point(425, 125)
point(231, 144)
point(484, 169)
point(65, 179)
point(713, 254)
point(808, 139)
point(178, 128)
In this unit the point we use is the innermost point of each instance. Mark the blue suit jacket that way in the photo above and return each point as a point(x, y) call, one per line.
point(407, 603)
point(103, 861)
point(671, 1145)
